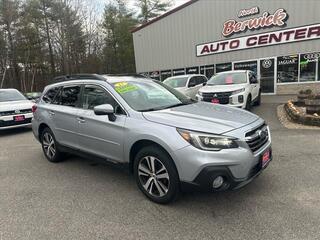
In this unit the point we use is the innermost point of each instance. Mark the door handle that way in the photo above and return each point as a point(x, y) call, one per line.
point(51, 113)
point(81, 120)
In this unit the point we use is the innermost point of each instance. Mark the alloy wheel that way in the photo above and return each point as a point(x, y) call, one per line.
point(153, 176)
point(49, 145)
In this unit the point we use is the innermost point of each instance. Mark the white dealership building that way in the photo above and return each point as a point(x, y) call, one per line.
point(279, 40)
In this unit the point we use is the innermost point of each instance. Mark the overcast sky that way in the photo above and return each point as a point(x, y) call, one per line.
point(99, 4)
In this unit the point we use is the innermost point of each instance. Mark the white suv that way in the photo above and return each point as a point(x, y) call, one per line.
point(235, 88)
point(189, 85)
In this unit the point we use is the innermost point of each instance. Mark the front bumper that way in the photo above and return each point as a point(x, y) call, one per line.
point(7, 122)
point(205, 178)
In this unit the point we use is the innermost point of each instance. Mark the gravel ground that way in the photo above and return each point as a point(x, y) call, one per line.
point(79, 200)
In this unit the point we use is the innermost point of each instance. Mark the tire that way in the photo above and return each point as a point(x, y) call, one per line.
point(158, 181)
point(50, 146)
point(258, 101)
point(248, 103)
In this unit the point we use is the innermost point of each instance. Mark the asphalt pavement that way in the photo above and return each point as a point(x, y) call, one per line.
point(81, 199)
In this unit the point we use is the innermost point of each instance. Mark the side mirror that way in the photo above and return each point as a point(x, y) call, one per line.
point(205, 83)
point(105, 109)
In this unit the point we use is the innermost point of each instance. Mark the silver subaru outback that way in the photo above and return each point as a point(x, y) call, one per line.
point(167, 140)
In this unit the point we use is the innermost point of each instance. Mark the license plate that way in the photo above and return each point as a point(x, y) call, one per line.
point(215, 100)
point(266, 157)
point(18, 118)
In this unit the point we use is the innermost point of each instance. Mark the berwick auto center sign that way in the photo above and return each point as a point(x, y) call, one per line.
point(258, 40)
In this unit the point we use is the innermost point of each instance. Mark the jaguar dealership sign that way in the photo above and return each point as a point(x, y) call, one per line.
point(283, 36)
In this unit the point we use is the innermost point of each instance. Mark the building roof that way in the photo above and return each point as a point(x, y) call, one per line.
point(163, 15)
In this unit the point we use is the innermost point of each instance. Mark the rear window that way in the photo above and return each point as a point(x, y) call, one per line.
point(50, 95)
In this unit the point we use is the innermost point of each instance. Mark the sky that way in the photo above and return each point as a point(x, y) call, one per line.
point(99, 4)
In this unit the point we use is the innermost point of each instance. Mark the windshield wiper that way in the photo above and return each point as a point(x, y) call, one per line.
point(171, 106)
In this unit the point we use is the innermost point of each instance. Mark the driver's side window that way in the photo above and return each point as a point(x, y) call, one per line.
point(253, 78)
point(94, 96)
point(192, 82)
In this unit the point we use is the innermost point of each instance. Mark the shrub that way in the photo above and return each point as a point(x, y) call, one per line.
point(307, 91)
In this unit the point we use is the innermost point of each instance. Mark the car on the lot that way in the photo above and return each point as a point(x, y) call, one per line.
point(33, 96)
point(169, 141)
point(187, 84)
point(15, 109)
point(240, 88)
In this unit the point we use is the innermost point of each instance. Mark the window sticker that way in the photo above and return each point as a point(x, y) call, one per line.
point(124, 87)
point(229, 80)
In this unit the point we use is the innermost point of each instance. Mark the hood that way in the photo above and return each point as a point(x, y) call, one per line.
point(203, 117)
point(15, 105)
point(222, 88)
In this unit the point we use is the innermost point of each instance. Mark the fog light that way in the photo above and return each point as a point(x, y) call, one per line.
point(240, 98)
point(217, 182)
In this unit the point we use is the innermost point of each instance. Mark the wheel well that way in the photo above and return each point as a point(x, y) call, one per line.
point(137, 146)
point(41, 128)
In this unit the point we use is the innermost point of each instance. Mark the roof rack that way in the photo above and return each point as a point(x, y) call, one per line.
point(78, 77)
point(126, 75)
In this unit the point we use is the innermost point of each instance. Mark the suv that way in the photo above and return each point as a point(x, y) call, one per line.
point(169, 141)
point(187, 84)
point(239, 88)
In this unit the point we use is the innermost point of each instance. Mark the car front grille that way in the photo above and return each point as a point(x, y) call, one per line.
point(14, 123)
point(257, 138)
point(22, 111)
point(223, 97)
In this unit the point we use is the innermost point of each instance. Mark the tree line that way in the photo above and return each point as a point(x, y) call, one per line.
point(42, 39)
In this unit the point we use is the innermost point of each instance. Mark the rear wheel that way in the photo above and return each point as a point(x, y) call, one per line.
point(156, 175)
point(248, 103)
point(50, 147)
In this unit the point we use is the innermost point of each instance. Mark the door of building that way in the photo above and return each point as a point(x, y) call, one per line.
point(267, 75)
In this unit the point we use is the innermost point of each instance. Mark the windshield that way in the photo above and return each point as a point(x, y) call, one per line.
point(228, 78)
point(150, 95)
point(11, 95)
point(176, 82)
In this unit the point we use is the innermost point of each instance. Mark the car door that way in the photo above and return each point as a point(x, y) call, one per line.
point(64, 113)
point(98, 135)
point(254, 85)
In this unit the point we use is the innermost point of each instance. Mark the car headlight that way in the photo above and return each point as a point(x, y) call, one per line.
point(207, 141)
point(238, 91)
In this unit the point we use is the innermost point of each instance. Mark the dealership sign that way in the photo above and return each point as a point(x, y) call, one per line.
point(309, 32)
point(266, 20)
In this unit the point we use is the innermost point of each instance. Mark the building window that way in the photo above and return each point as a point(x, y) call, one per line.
point(251, 65)
point(192, 70)
point(222, 67)
point(287, 69)
point(178, 72)
point(308, 66)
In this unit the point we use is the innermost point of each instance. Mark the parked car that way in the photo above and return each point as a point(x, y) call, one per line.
point(169, 141)
point(15, 109)
point(187, 84)
point(33, 96)
point(239, 88)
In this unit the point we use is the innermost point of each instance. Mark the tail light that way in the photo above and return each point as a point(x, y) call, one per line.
point(34, 108)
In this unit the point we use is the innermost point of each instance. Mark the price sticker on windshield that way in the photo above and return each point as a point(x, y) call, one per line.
point(124, 87)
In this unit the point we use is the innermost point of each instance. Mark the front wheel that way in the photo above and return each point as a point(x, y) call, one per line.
point(258, 101)
point(156, 175)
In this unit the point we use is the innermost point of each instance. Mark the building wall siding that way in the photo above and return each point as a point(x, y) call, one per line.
point(171, 42)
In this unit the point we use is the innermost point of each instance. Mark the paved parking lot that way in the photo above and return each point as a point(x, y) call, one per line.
point(78, 199)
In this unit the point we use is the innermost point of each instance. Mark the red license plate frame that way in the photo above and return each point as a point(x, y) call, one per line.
point(19, 118)
point(266, 157)
point(215, 101)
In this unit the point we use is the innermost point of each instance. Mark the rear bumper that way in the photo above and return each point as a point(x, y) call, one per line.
point(16, 126)
point(205, 178)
